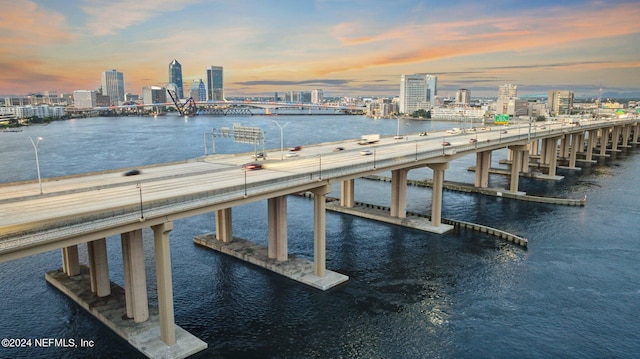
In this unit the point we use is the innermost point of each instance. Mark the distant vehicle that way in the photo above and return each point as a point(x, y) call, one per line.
point(445, 143)
point(398, 137)
point(423, 133)
point(504, 131)
point(292, 154)
point(473, 140)
point(338, 149)
point(369, 139)
point(365, 153)
point(259, 155)
point(252, 166)
point(132, 173)
point(454, 130)
point(296, 148)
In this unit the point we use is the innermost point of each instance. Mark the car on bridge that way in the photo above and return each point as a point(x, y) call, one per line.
point(252, 166)
point(338, 149)
point(365, 152)
point(133, 172)
point(296, 148)
point(445, 143)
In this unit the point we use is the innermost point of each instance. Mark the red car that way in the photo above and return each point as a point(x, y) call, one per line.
point(252, 166)
point(297, 148)
point(445, 143)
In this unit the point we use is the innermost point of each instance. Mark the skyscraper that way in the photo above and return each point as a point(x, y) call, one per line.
point(113, 86)
point(198, 91)
point(463, 97)
point(432, 89)
point(215, 85)
point(175, 77)
point(414, 92)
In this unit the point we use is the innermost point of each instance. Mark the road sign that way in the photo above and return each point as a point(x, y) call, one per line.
point(246, 134)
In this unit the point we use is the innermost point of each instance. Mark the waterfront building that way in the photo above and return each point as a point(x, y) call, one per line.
point(317, 96)
point(457, 113)
point(129, 97)
point(175, 77)
point(84, 99)
point(215, 83)
point(560, 102)
point(415, 93)
point(463, 97)
point(198, 91)
point(154, 95)
point(113, 86)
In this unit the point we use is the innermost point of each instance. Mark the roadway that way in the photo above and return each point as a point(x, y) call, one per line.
point(109, 199)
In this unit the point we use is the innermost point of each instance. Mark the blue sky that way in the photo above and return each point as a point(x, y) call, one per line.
point(346, 48)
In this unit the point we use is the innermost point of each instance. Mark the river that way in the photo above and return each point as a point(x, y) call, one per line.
point(573, 293)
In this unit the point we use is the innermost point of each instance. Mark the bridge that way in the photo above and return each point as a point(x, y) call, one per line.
point(89, 208)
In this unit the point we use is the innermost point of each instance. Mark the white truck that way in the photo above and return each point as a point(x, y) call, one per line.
point(369, 139)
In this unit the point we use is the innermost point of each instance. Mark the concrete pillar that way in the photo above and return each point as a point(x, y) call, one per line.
point(575, 138)
point(564, 146)
point(164, 282)
point(552, 159)
point(319, 230)
point(591, 143)
point(70, 261)
point(135, 279)
point(277, 222)
point(399, 193)
point(483, 164)
point(224, 225)
point(524, 168)
point(99, 267)
point(626, 133)
point(516, 165)
point(615, 138)
point(436, 192)
point(535, 148)
point(636, 134)
point(347, 198)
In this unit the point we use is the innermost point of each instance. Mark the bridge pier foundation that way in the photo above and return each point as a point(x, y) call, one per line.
point(517, 165)
point(277, 222)
point(399, 193)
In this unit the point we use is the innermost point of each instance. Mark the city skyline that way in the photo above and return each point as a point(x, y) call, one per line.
point(347, 49)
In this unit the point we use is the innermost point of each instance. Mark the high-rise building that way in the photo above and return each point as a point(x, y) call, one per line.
point(175, 77)
point(415, 92)
point(154, 95)
point(560, 102)
point(198, 91)
point(507, 91)
point(215, 84)
point(463, 96)
point(113, 86)
point(432, 89)
point(317, 96)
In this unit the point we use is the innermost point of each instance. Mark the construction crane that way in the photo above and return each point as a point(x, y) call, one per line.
point(188, 108)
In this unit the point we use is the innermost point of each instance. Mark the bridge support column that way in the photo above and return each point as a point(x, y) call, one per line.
point(99, 267)
point(604, 140)
point(636, 134)
point(70, 261)
point(575, 147)
point(550, 154)
point(564, 146)
point(615, 138)
point(436, 192)
point(347, 198)
point(483, 163)
point(592, 141)
point(164, 282)
point(399, 193)
point(626, 133)
point(535, 148)
point(224, 231)
point(516, 165)
point(277, 222)
point(135, 279)
point(319, 230)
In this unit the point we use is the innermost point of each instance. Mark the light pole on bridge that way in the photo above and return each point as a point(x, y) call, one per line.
point(35, 147)
point(281, 138)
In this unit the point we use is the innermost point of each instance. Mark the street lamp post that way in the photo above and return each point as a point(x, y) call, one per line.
point(281, 138)
point(35, 147)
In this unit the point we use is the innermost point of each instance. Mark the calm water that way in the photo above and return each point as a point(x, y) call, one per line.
point(574, 293)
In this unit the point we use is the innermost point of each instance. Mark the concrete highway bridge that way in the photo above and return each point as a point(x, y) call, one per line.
point(89, 208)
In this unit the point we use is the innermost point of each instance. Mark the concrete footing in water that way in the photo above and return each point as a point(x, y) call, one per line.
point(296, 268)
point(111, 311)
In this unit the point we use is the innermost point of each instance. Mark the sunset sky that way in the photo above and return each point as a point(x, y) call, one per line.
point(346, 48)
